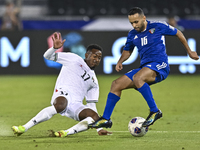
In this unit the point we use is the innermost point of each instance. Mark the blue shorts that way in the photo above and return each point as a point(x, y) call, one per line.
point(162, 70)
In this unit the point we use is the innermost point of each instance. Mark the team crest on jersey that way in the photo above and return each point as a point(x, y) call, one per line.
point(92, 79)
point(152, 30)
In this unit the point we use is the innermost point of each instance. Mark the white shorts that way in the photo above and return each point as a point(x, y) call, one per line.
point(73, 108)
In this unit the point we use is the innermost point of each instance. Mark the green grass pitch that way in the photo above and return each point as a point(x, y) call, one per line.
point(22, 97)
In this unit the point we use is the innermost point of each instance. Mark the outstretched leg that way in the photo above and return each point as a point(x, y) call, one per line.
point(60, 104)
point(86, 116)
point(79, 127)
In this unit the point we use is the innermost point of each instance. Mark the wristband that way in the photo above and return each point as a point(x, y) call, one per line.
point(99, 129)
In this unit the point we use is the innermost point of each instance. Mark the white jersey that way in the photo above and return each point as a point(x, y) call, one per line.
point(77, 78)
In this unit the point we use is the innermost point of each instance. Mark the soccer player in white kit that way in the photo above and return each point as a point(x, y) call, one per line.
point(76, 81)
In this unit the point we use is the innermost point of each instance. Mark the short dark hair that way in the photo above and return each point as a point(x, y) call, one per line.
point(94, 46)
point(135, 10)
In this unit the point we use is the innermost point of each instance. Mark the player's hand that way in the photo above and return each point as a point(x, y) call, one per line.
point(118, 67)
point(193, 55)
point(104, 132)
point(57, 40)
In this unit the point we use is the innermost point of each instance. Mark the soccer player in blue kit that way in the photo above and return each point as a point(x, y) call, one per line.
point(148, 37)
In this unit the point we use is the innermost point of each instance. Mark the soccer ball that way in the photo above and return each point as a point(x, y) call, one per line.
point(135, 127)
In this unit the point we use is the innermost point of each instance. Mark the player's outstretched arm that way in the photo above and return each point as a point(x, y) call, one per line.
point(57, 43)
point(183, 40)
point(125, 55)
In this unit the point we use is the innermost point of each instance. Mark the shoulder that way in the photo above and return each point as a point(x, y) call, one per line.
point(164, 26)
point(69, 56)
point(158, 24)
point(132, 32)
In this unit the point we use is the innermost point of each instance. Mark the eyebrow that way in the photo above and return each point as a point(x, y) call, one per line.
point(134, 21)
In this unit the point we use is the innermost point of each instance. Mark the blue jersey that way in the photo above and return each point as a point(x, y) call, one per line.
point(151, 42)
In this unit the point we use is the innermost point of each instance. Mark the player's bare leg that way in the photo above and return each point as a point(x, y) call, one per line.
point(116, 88)
point(139, 82)
point(141, 78)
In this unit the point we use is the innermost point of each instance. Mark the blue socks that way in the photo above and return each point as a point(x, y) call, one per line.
point(110, 104)
point(112, 99)
point(147, 94)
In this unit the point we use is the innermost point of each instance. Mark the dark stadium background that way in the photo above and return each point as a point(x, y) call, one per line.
point(40, 18)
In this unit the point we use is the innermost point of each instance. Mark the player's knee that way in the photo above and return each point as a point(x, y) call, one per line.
point(115, 85)
point(60, 104)
point(137, 79)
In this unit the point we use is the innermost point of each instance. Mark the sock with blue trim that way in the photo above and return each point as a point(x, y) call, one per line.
point(112, 99)
point(147, 94)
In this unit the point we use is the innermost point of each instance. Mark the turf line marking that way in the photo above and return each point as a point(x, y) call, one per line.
point(166, 131)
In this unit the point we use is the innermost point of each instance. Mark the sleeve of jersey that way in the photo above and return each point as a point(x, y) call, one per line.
point(92, 95)
point(50, 54)
point(129, 46)
point(168, 29)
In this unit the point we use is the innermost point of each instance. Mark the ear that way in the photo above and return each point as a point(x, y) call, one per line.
point(144, 17)
point(86, 55)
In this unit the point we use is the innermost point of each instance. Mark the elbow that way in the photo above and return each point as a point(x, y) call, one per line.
point(45, 55)
point(179, 33)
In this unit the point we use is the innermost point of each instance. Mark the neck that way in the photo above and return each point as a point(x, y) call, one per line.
point(145, 25)
point(92, 68)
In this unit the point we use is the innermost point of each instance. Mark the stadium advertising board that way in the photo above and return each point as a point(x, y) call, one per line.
point(22, 52)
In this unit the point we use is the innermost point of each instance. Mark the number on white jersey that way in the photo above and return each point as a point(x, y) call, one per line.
point(85, 76)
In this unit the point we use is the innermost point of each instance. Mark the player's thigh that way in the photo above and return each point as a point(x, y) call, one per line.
point(145, 74)
point(73, 110)
point(59, 95)
point(121, 83)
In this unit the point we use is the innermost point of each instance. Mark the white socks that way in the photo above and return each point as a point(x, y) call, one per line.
point(79, 127)
point(43, 115)
point(48, 112)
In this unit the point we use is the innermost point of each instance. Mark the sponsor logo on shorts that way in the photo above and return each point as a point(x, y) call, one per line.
point(163, 65)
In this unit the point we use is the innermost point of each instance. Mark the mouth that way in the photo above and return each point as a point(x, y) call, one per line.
point(136, 28)
point(95, 64)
